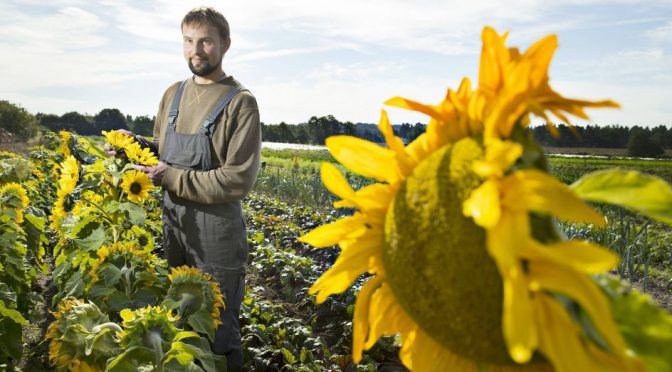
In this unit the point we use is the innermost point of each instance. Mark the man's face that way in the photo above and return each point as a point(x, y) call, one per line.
point(203, 48)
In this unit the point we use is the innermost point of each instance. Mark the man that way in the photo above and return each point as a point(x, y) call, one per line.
point(209, 139)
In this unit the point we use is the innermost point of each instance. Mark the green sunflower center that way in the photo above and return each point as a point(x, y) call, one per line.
point(436, 259)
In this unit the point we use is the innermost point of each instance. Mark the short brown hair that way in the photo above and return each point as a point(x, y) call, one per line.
point(209, 16)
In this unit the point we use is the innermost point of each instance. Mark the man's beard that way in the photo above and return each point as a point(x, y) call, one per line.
point(203, 71)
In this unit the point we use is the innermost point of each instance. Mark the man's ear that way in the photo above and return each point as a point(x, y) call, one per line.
point(226, 44)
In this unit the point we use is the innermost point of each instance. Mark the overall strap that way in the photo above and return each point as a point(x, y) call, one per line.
point(174, 108)
point(208, 124)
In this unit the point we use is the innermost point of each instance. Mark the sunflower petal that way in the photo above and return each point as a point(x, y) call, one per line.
point(349, 265)
point(483, 205)
point(518, 324)
point(404, 103)
point(330, 234)
point(582, 255)
point(364, 158)
point(360, 321)
point(538, 191)
point(584, 291)
point(335, 182)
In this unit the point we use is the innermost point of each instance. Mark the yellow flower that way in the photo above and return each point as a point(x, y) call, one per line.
point(65, 143)
point(456, 268)
point(200, 287)
point(118, 140)
point(141, 156)
point(67, 181)
point(15, 191)
point(137, 185)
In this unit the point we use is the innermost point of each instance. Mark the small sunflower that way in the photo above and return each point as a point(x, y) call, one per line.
point(139, 324)
point(65, 137)
point(197, 296)
point(118, 140)
point(124, 254)
point(141, 156)
point(458, 238)
point(141, 236)
point(137, 185)
point(15, 195)
point(67, 181)
point(82, 337)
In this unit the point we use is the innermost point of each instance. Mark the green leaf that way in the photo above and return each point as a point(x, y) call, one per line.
point(201, 321)
point(289, 357)
point(185, 334)
point(126, 361)
point(12, 314)
point(646, 328)
point(134, 213)
point(110, 274)
point(93, 241)
point(12, 342)
point(642, 193)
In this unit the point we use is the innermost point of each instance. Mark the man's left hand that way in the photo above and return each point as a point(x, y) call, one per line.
point(155, 172)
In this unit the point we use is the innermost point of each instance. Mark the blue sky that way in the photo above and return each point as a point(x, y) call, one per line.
point(308, 57)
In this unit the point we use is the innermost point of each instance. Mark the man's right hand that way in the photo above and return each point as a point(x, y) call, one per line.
point(109, 150)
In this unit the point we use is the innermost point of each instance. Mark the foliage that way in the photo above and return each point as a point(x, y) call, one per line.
point(17, 120)
point(641, 144)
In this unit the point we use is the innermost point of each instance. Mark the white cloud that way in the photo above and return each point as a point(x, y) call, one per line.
point(662, 33)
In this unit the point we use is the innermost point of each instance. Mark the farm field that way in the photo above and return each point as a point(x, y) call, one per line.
point(70, 244)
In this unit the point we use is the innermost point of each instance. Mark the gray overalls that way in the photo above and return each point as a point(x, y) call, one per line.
point(210, 237)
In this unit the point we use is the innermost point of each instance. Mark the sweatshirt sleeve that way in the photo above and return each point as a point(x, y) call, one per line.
point(235, 177)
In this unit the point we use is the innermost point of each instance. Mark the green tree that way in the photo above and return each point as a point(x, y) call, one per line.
point(75, 122)
point(142, 125)
point(642, 145)
point(109, 119)
point(17, 120)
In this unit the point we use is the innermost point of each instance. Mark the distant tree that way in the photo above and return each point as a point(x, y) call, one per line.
point(50, 121)
point(418, 129)
point(17, 120)
point(642, 145)
point(300, 134)
point(141, 125)
point(109, 119)
point(75, 122)
point(285, 135)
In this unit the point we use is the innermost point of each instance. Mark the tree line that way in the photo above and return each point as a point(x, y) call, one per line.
point(23, 125)
point(640, 141)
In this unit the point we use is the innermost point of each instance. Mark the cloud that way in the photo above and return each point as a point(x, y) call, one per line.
point(662, 33)
point(65, 29)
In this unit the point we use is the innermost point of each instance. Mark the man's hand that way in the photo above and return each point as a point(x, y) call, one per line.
point(108, 150)
point(155, 172)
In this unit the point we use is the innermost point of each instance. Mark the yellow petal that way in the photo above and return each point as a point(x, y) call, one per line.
point(360, 321)
point(404, 103)
point(580, 288)
point(393, 142)
point(582, 255)
point(562, 343)
point(506, 238)
point(365, 158)
point(518, 324)
point(330, 234)
point(499, 157)
point(350, 264)
point(538, 191)
point(483, 205)
point(335, 182)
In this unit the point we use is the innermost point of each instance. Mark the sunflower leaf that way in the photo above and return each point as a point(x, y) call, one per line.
point(646, 328)
point(134, 212)
point(642, 193)
point(201, 321)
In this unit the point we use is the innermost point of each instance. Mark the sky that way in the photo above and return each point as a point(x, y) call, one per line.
point(304, 58)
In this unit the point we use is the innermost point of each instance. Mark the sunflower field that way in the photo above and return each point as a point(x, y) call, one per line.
point(467, 249)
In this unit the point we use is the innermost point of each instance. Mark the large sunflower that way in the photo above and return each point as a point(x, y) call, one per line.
point(458, 238)
point(140, 155)
point(137, 185)
point(67, 181)
point(197, 298)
